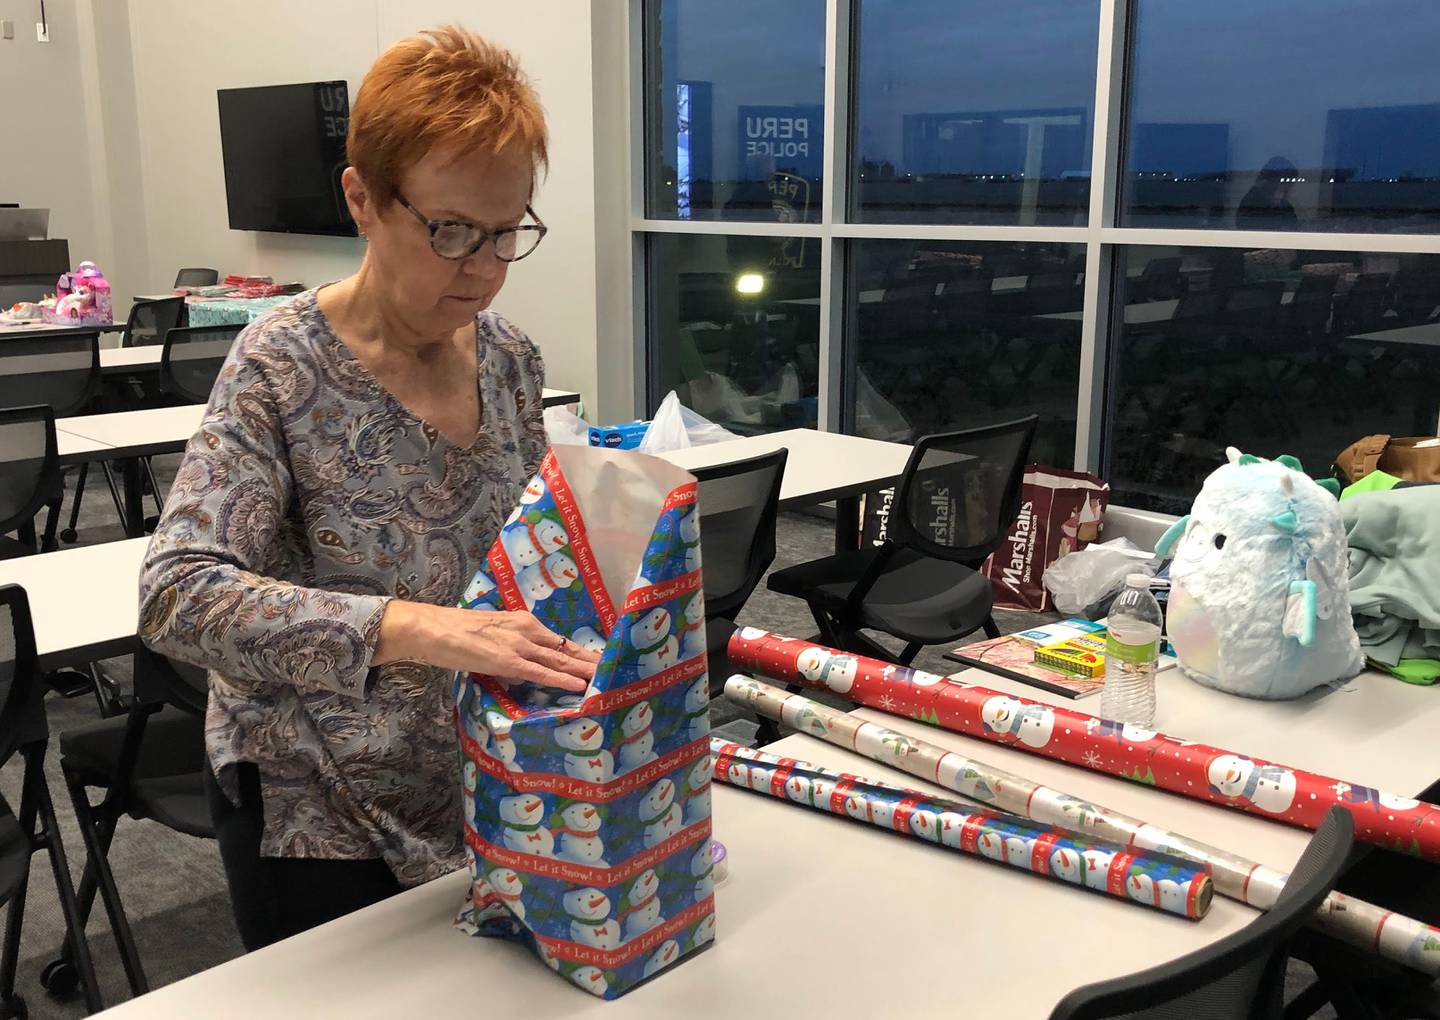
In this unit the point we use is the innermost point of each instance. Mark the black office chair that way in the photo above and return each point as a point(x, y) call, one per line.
point(1415, 293)
point(15, 291)
point(1309, 312)
point(58, 369)
point(958, 497)
point(1255, 306)
point(62, 371)
point(192, 358)
point(30, 478)
point(197, 277)
point(151, 764)
point(23, 731)
point(1160, 280)
point(1241, 977)
point(739, 503)
point(1361, 309)
point(149, 321)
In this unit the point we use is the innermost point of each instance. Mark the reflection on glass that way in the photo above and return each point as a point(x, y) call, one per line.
point(973, 113)
point(1321, 116)
point(952, 335)
point(1270, 351)
point(735, 326)
point(734, 97)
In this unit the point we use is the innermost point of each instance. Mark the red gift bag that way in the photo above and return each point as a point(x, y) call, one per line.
point(1060, 512)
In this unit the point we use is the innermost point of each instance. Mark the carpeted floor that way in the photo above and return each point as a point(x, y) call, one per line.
point(173, 886)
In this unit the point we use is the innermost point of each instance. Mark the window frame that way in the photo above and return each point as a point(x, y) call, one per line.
point(1104, 239)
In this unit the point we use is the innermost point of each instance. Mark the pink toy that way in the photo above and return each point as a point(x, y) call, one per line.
point(82, 298)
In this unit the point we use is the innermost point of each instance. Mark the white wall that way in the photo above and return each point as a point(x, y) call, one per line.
point(185, 50)
point(122, 243)
point(44, 141)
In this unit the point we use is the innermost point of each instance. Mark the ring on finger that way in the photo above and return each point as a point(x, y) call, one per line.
point(561, 646)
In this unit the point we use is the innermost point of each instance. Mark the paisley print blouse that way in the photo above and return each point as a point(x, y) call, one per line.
point(308, 498)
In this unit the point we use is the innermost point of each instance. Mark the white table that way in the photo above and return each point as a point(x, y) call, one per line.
point(142, 433)
point(1141, 314)
point(126, 435)
point(131, 359)
point(157, 430)
point(999, 285)
point(24, 329)
point(1426, 333)
point(820, 917)
point(821, 466)
point(86, 599)
point(1146, 313)
point(84, 602)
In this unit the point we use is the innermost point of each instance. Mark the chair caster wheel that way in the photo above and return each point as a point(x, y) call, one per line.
point(14, 1008)
point(68, 536)
point(60, 978)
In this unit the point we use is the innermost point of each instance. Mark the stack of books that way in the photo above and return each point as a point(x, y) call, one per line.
point(1065, 658)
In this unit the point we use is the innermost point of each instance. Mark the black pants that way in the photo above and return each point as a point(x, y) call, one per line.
point(276, 897)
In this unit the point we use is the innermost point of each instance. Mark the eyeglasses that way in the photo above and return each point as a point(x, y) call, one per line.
point(456, 239)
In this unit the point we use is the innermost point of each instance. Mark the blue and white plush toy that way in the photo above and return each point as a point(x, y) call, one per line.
point(1259, 591)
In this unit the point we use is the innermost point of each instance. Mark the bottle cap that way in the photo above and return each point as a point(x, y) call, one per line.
point(1138, 580)
point(721, 859)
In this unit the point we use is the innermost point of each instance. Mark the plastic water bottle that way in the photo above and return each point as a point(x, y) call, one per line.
point(1132, 648)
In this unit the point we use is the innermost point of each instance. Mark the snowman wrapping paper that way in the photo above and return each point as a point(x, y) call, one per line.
point(1362, 925)
point(585, 815)
point(1148, 878)
point(1186, 767)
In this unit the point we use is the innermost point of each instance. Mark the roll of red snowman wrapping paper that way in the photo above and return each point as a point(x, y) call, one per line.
point(1199, 771)
point(1164, 882)
point(1364, 926)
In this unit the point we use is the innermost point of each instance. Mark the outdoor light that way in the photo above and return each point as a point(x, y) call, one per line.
point(749, 283)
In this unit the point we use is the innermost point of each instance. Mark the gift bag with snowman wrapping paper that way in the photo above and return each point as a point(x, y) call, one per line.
point(587, 817)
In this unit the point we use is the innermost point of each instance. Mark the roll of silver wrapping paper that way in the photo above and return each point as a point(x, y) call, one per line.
point(1363, 925)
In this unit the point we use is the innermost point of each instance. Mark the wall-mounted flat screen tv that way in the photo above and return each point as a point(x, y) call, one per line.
point(284, 149)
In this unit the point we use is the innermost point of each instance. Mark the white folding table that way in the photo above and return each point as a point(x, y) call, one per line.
point(127, 435)
point(84, 601)
point(821, 466)
point(824, 917)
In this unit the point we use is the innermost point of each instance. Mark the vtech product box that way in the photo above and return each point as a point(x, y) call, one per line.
point(626, 436)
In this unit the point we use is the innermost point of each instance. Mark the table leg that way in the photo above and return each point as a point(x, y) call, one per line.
point(847, 524)
point(134, 499)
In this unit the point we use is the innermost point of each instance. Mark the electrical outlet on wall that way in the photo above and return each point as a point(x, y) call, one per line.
point(42, 32)
point(7, 29)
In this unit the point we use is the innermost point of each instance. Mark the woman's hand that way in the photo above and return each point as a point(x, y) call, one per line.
point(508, 645)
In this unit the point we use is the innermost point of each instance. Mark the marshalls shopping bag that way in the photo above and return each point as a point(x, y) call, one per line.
point(587, 817)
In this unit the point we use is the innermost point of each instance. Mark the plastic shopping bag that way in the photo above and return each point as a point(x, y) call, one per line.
point(1094, 575)
point(564, 427)
point(587, 817)
point(676, 427)
point(1061, 512)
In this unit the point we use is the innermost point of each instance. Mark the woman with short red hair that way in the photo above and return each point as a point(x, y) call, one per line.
point(361, 449)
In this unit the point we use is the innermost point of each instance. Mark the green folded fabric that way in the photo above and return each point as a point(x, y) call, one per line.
point(1422, 672)
point(1394, 540)
point(1375, 481)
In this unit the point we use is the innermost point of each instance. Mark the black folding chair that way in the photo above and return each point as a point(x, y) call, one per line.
point(196, 276)
point(23, 731)
point(958, 497)
point(739, 503)
point(151, 764)
point(29, 479)
point(1241, 977)
point(191, 360)
point(149, 321)
point(61, 370)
